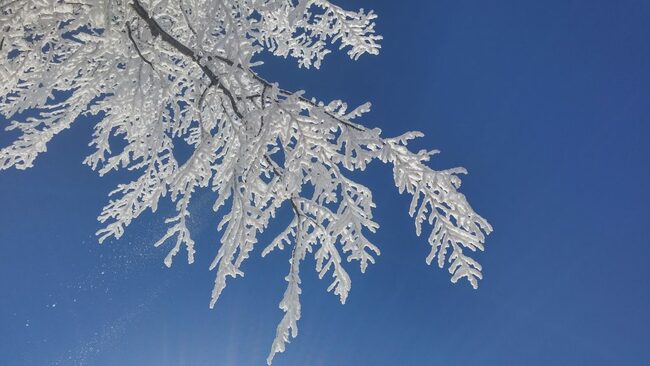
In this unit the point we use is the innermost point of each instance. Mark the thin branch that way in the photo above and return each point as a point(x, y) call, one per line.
point(80, 4)
point(200, 110)
point(187, 20)
point(128, 31)
point(157, 30)
point(263, 104)
point(4, 6)
point(287, 93)
point(295, 208)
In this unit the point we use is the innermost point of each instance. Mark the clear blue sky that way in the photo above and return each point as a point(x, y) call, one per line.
point(546, 103)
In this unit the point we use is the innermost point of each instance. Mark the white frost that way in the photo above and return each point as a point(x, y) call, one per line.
point(157, 71)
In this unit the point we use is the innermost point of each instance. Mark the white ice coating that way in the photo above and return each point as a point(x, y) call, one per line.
point(160, 70)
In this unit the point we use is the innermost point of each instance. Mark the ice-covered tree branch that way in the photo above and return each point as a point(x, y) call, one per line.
point(158, 71)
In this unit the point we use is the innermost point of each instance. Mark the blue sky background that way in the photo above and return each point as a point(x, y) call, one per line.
point(546, 103)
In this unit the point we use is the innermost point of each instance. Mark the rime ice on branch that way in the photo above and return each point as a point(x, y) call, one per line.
point(160, 70)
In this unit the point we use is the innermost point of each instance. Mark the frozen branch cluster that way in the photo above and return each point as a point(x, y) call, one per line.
point(162, 71)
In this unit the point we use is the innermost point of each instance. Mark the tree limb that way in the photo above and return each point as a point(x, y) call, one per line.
point(128, 31)
point(156, 30)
